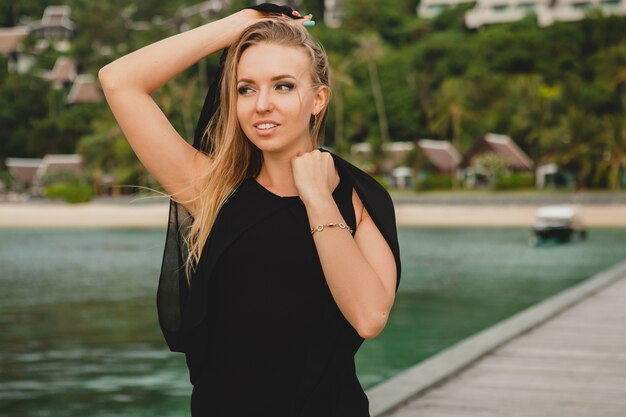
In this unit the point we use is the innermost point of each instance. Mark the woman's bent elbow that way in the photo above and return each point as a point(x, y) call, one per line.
point(107, 78)
point(104, 76)
point(372, 328)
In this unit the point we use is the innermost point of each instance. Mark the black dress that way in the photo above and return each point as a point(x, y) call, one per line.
point(277, 344)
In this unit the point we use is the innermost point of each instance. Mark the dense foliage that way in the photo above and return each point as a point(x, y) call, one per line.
point(558, 91)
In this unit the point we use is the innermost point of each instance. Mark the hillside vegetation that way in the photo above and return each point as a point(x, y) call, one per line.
point(558, 91)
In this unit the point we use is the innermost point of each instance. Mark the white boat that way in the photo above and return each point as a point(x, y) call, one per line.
point(557, 223)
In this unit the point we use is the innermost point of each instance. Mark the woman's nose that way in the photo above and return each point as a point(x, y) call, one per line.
point(264, 101)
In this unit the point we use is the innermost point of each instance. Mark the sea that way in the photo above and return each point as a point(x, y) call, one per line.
point(79, 334)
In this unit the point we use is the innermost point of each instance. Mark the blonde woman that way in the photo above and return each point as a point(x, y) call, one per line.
point(281, 257)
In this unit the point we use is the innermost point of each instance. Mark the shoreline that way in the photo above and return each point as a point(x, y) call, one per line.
point(141, 214)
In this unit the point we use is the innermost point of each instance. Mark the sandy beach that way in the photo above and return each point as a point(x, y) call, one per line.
point(133, 214)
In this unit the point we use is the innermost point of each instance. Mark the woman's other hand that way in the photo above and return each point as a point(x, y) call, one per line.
point(314, 175)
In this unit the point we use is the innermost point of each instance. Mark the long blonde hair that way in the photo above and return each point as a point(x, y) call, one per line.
point(233, 156)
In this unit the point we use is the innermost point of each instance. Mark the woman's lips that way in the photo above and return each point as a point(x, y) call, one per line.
point(265, 128)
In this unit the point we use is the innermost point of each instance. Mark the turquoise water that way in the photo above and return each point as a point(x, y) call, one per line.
point(79, 333)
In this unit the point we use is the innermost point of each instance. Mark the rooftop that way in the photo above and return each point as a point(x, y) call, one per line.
point(10, 38)
point(84, 90)
point(64, 71)
point(442, 154)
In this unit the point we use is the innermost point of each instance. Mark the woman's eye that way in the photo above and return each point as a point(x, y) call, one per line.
point(244, 90)
point(285, 87)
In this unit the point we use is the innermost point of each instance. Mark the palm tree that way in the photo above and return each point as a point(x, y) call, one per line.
point(614, 150)
point(613, 64)
point(447, 113)
point(339, 77)
point(579, 149)
point(370, 50)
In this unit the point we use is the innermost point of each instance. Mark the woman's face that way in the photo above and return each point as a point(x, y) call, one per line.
point(276, 98)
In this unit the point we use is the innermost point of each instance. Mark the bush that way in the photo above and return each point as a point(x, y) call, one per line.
point(70, 186)
point(7, 182)
point(71, 193)
point(435, 182)
point(518, 181)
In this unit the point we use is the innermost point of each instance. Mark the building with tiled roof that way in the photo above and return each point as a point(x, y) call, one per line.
point(503, 146)
point(65, 162)
point(29, 171)
point(488, 12)
point(432, 8)
point(85, 89)
point(441, 154)
point(10, 41)
point(55, 23)
point(10, 38)
point(63, 72)
point(23, 169)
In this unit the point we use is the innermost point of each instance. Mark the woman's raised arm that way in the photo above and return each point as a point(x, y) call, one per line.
point(128, 81)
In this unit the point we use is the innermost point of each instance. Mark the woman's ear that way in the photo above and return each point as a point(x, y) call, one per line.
point(322, 95)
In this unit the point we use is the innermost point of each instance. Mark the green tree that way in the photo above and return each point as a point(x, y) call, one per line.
point(21, 105)
point(370, 50)
point(449, 112)
point(612, 65)
point(491, 165)
point(339, 79)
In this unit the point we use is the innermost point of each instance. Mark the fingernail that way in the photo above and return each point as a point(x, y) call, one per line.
point(309, 23)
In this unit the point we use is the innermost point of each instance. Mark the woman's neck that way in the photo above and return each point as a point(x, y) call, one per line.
point(276, 172)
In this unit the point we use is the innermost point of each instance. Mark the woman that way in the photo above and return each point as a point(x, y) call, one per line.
point(281, 257)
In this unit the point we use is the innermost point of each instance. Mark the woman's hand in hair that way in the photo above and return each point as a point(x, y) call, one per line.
point(268, 10)
point(314, 175)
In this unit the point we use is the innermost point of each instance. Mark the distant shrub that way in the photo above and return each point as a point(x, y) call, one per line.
point(7, 181)
point(517, 181)
point(70, 186)
point(71, 193)
point(435, 182)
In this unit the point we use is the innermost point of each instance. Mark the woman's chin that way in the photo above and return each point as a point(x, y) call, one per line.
point(277, 146)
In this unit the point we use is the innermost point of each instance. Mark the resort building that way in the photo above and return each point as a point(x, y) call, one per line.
point(61, 162)
point(23, 170)
point(28, 172)
point(487, 12)
point(439, 163)
point(397, 174)
point(10, 40)
point(63, 73)
point(547, 11)
point(503, 146)
point(55, 23)
point(85, 89)
point(441, 155)
point(395, 153)
point(431, 8)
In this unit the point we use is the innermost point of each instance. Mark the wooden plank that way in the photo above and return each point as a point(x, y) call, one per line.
point(573, 365)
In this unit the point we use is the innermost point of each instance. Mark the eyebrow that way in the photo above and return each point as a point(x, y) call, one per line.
point(277, 77)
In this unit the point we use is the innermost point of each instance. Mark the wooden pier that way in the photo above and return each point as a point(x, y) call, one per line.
point(571, 364)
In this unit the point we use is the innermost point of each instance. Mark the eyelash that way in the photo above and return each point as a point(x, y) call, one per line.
point(243, 90)
point(288, 86)
point(280, 87)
